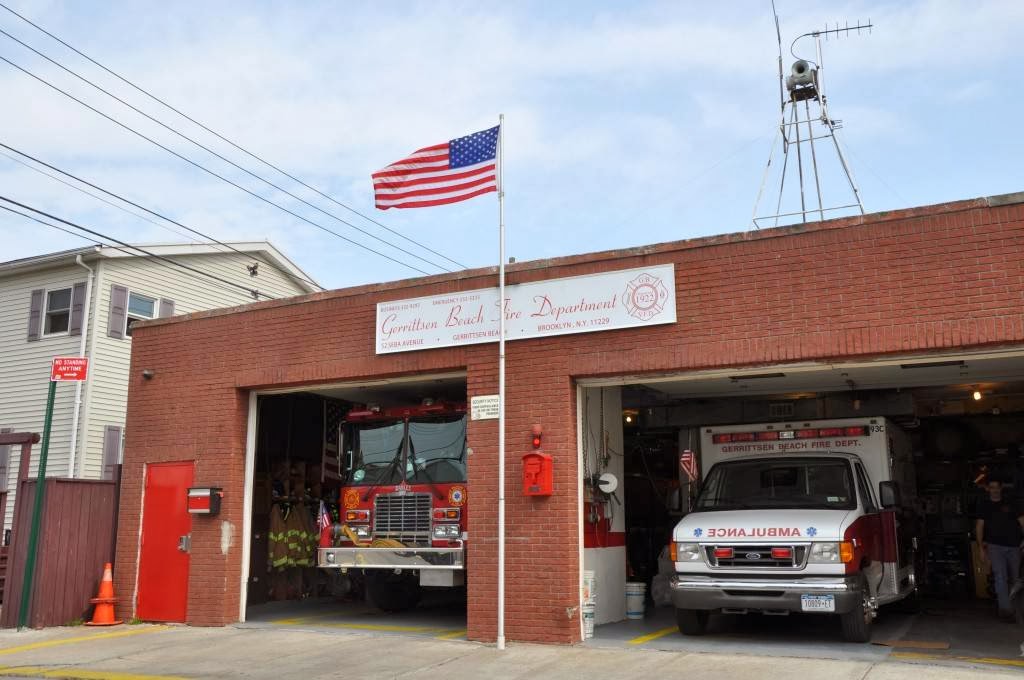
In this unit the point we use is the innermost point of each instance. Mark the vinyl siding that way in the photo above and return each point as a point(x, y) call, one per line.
point(107, 390)
point(25, 372)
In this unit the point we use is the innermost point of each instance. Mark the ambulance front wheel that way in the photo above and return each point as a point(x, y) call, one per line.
point(692, 621)
point(857, 622)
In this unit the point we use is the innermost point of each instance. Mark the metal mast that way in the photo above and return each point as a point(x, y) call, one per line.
point(804, 119)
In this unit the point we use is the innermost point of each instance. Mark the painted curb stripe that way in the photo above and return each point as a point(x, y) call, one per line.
point(1019, 663)
point(452, 635)
point(78, 674)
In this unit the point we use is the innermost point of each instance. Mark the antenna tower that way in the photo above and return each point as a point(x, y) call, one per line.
point(804, 119)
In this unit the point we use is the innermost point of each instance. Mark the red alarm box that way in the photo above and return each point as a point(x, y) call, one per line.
point(537, 474)
point(205, 500)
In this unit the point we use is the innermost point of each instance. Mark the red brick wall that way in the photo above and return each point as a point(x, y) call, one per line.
point(915, 281)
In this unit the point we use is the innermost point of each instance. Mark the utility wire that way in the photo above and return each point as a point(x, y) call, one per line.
point(252, 291)
point(207, 170)
point(140, 207)
point(214, 153)
point(104, 245)
point(225, 139)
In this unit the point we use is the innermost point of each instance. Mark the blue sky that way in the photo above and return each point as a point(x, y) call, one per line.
point(626, 123)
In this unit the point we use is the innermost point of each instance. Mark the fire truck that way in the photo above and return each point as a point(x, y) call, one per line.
point(809, 517)
point(403, 504)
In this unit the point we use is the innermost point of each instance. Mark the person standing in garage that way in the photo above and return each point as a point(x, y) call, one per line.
point(999, 530)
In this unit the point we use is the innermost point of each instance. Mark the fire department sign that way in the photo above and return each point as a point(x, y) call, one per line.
point(578, 304)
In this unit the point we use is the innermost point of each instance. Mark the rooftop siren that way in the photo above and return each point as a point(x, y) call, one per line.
point(802, 74)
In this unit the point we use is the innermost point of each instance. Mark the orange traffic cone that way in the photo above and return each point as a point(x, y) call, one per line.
point(103, 614)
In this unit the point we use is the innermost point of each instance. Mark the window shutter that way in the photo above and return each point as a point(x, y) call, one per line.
point(118, 311)
point(77, 309)
point(111, 451)
point(166, 307)
point(5, 457)
point(35, 314)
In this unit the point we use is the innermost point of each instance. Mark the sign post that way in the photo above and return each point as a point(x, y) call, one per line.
point(63, 369)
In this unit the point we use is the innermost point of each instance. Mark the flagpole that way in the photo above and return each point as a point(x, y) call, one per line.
point(501, 384)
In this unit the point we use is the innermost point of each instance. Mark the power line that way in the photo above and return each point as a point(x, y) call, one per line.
point(254, 256)
point(100, 243)
point(207, 170)
point(214, 153)
point(225, 139)
point(252, 291)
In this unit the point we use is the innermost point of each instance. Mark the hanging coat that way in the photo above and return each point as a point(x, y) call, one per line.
point(278, 554)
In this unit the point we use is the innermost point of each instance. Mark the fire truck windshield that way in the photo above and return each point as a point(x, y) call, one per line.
point(430, 450)
point(377, 451)
point(797, 483)
point(437, 450)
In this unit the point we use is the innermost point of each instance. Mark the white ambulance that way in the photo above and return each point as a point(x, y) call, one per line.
point(798, 517)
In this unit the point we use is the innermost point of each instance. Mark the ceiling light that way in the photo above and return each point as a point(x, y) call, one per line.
point(977, 395)
point(932, 364)
point(757, 376)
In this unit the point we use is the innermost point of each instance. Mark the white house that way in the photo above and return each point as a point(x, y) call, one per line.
point(83, 302)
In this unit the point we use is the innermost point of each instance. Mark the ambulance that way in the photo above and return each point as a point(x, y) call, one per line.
point(810, 517)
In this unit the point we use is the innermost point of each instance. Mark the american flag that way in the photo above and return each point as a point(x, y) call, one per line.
point(324, 519)
point(444, 173)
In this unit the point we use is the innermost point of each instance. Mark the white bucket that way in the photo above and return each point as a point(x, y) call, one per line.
point(588, 621)
point(589, 588)
point(635, 600)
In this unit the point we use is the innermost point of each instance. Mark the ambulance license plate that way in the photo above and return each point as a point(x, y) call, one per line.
point(818, 603)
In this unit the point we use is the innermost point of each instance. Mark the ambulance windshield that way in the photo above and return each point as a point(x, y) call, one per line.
point(792, 483)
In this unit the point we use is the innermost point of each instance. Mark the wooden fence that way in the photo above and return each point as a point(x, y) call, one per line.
point(77, 535)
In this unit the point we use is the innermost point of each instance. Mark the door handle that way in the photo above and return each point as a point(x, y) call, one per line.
point(185, 543)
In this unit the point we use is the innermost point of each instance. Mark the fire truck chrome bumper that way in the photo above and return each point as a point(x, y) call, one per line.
point(391, 558)
point(710, 593)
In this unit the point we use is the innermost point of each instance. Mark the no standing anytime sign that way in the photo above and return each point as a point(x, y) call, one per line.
point(69, 369)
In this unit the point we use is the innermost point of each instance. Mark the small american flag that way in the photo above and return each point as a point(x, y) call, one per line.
point(444, 173)
point(324, 520)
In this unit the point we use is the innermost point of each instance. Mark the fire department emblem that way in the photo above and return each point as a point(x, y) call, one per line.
point(351, 498)
point(457, 496)
point(645, 297)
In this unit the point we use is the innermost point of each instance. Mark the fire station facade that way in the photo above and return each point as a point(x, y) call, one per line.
point(937, 281)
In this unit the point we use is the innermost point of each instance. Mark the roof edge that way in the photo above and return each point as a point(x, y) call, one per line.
point(999, 200)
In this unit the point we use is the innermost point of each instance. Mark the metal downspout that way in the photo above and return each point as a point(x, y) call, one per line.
point(86, 313)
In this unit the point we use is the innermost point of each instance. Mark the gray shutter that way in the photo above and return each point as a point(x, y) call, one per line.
point(111, 451)
point(35, 314)
point(166, 307)
point(118, 311)
point(5, 458)
point(77, 309)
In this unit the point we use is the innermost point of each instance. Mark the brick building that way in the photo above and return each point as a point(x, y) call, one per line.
point(802, 307)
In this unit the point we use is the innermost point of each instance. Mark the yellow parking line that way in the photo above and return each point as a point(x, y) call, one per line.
point(302, 619)
point(451, 635)
point(970, 659)
point(78, 674)
point(42, 644)
point(652, 636)
point(382, 627)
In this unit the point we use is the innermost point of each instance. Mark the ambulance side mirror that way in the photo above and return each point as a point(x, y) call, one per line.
point(889, 494)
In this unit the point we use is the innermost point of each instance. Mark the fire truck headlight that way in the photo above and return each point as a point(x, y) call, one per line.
point(443, 531)
point(824, 553)
point(688, 552)
point(330, 558)
point(362, 531)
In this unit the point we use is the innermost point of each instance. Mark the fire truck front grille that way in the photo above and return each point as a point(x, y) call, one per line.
point(757, 557)
point(404, 517)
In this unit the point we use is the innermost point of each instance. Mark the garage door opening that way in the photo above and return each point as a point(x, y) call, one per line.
point(359, 508)
point(948, 428)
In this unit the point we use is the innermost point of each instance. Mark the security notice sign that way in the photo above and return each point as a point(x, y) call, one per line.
point(69, 369)
point(484, 407)
point(577, 304)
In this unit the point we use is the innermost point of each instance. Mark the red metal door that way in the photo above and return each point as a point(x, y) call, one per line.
point(166, 529)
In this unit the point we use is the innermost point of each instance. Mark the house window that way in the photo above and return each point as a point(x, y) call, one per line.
point(58, 311)
point(140, 308)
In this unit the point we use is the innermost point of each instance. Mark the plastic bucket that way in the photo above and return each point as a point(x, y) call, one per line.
point(635, 600)
point(588, 621)
point(589, 588)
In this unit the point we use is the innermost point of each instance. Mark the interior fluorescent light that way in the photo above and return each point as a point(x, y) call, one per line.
point(932, 364)
point(757, 376)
